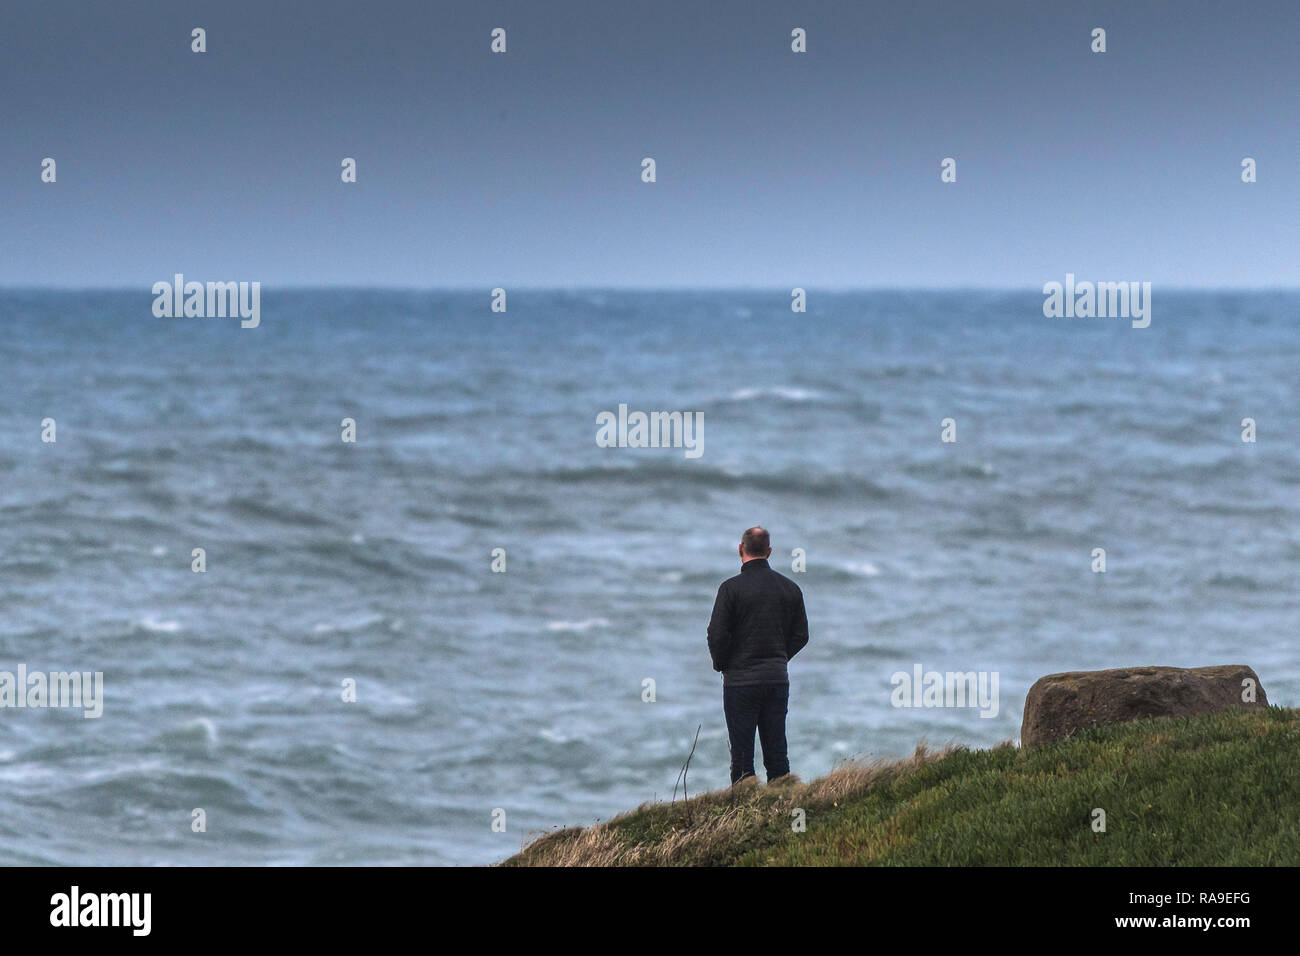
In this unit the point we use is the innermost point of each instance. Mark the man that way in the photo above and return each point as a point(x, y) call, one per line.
point(758, 624)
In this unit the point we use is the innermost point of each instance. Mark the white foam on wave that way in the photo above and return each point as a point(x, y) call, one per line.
point(205, 727)
point(384, 698)
point(30, 772)
point(788, 392)
point(156, 626)
point(556, 737)
point(199, 730)
point(584, 625)
point(357, 622)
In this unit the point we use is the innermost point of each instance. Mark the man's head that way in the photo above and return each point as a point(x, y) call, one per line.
point(755, 543)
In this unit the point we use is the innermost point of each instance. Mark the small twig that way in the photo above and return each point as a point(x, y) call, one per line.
point(687, 766)
point(681, 776)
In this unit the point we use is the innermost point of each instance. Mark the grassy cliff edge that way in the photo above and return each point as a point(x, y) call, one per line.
point(1217, 790)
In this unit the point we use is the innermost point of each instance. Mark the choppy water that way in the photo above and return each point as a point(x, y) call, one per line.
point(476, 431)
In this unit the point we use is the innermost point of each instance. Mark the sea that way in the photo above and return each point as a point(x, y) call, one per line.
point(474, 623)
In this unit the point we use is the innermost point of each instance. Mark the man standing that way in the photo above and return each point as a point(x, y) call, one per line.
point(758, 624)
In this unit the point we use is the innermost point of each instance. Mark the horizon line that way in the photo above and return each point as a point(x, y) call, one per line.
point(488, 287)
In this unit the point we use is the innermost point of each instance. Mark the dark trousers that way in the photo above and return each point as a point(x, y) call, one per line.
point(761, 706)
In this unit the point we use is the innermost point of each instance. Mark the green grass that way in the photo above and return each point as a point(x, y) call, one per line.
point(1218, 790)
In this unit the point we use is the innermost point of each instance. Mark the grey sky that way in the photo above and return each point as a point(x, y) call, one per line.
point(774, 169)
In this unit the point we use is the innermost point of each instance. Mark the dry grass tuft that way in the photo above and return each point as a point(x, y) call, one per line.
point(708, 828)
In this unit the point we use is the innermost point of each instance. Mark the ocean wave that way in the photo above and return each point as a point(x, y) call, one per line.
point(243, 445)
point(391, 560)
point(29, 569)
point(377, 562)
point(100, 475)
point(1235, 582)
point(197, 736)
point(787, 393)
point(577, 626)
point(557, 737)
point(1226, 509)
point(843, 571)
point(869, 651)
point(996, 521)
point(362, 622)
point(155, 784)
point(255, 509)
point(944, 469)
point(155, 626)
point(418, 422)
point(809, 484)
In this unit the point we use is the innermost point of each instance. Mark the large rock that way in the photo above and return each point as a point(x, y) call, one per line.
point(1061, 705)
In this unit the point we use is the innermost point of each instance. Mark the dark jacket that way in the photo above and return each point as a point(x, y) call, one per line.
point(758, 624)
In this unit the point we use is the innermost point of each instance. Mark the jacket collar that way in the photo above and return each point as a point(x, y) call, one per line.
point(753, 564)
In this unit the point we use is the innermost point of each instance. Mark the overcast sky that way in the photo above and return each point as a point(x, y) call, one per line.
point(774, 168)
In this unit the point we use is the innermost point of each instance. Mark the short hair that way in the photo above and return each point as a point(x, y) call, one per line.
point(756, 542)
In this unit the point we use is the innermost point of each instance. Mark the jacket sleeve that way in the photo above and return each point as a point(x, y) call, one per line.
point(798, 638)
point(720, 635)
